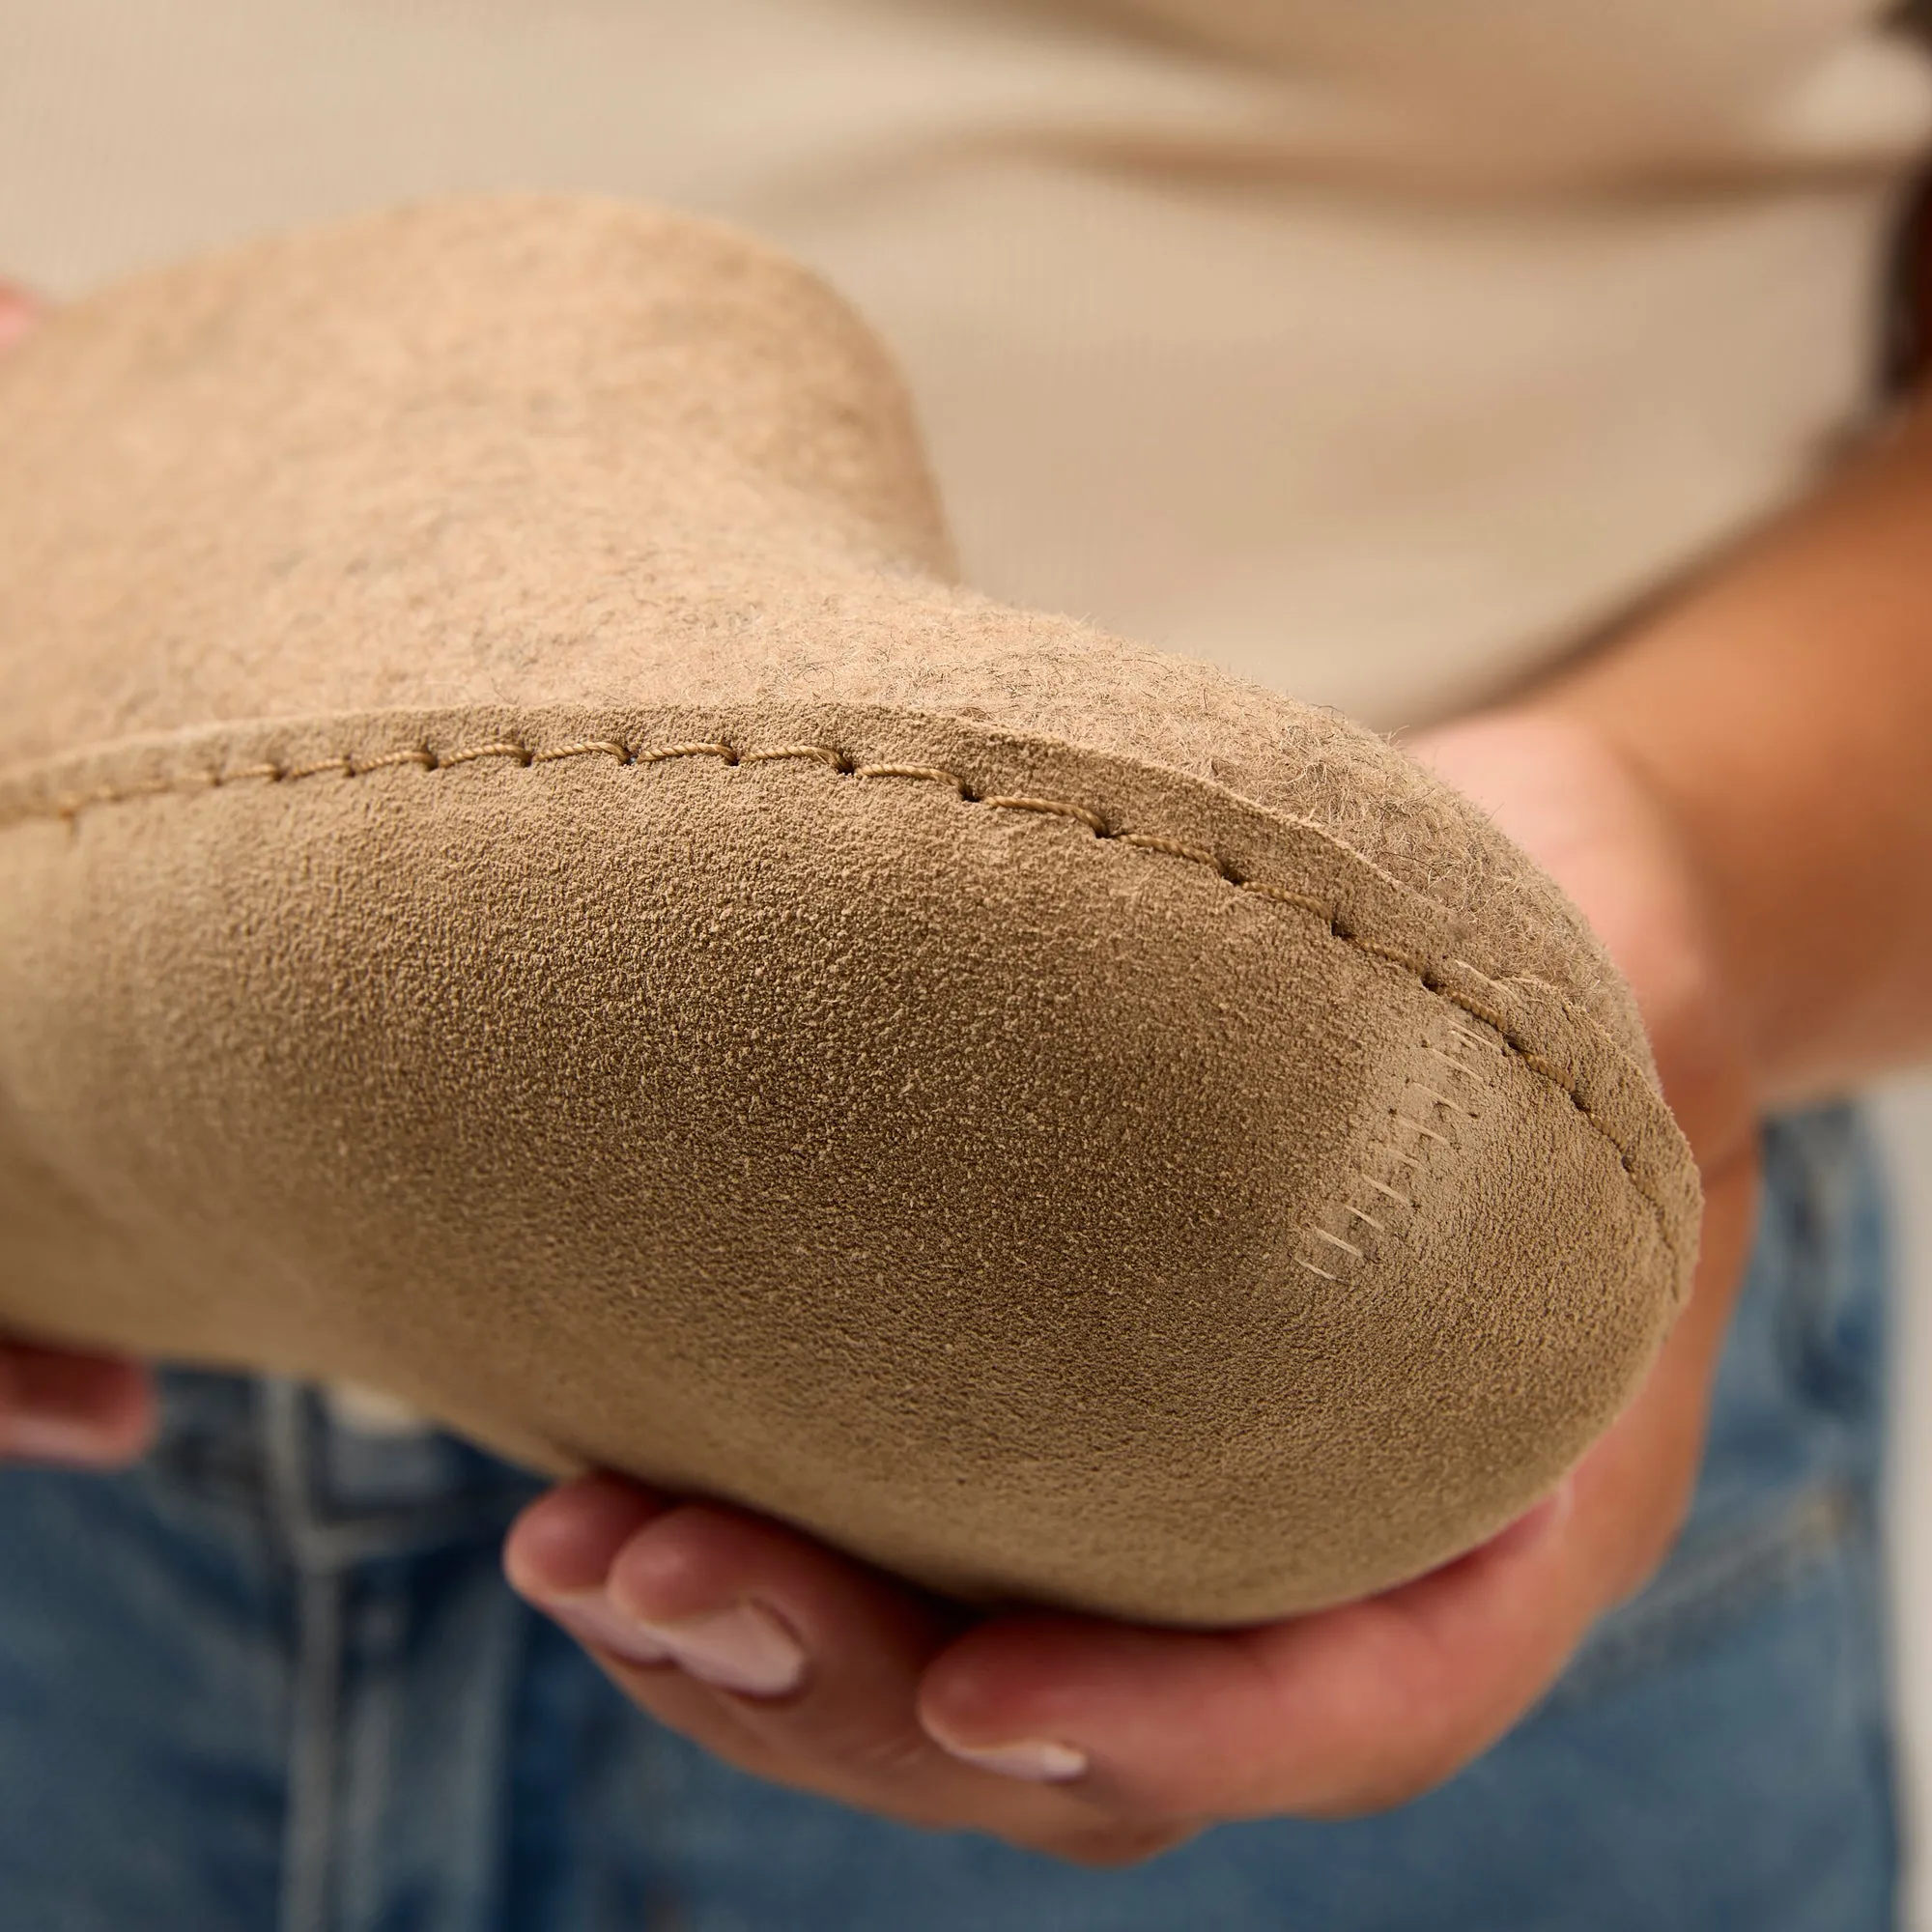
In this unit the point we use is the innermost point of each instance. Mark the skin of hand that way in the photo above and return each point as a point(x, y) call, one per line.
point(1104, 1743)
point(1734, 792)
point(86, 1411)
point(91, 1411)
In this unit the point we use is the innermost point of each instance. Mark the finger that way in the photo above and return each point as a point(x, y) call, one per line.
point(558, 1557)
point(728, 1726)
point(1343, 1711)
point(737, 1606)
point(799, 1664)
point(821, 1653)
point(559, 1551)
point(86, 1411)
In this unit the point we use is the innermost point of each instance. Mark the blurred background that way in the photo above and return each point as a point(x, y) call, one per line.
point(1905, 1111)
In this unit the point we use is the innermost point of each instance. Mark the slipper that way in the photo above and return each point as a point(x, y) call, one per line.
point(523, 884)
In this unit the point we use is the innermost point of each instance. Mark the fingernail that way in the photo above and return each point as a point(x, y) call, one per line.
point(745, 1649)
point(1034, 1760)
point(591, 1616)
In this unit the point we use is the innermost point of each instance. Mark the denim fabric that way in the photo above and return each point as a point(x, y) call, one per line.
point(272, 1680)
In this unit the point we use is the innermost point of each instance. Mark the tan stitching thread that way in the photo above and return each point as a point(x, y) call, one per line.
point(425, 759)
point(1300, 901)
point(1443, 1100)
point(1382, 1143)
point(930, 774)
point(822, 755)
point(588, 747)
point(1382, 1187)
point(1057, 808)
point(661, 753)
point(1176, 848)
point(1336, 1241)
point(468, 754)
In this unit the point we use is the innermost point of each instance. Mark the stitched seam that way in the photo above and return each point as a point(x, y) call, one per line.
point(1334, 1247)
point(422, 758)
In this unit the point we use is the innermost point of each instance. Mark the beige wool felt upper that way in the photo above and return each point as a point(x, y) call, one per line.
point(522, 884)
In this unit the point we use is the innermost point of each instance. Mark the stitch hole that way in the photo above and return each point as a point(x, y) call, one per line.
point(839, 763)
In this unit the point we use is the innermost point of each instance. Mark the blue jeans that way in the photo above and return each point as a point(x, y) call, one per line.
point(273, 1680)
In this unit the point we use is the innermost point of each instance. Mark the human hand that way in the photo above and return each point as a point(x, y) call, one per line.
point(1103, 1741)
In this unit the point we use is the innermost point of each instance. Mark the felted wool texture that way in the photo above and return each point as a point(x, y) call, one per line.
point(522, 884)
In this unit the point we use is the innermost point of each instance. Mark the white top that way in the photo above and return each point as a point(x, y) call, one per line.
point(1378, 349)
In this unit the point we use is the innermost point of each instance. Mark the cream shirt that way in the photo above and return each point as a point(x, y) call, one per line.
point(1376, 349)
